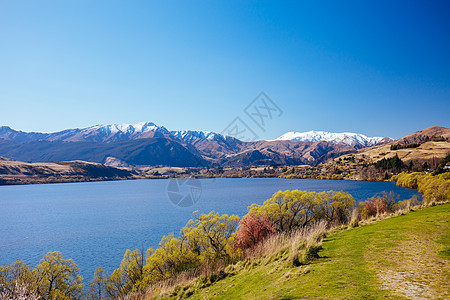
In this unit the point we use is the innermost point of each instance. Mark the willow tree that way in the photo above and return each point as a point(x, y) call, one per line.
point(58, 278)
point(291, 210)
point(129, 276)
point(211, 235)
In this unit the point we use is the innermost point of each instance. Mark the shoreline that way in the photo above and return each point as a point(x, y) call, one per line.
point(38, 181)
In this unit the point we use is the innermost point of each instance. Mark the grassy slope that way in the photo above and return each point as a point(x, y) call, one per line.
point(405, 256)
point(426, 151)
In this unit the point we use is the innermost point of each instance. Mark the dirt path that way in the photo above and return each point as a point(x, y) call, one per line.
point(416, 271)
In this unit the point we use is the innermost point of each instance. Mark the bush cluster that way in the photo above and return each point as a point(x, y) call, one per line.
point(291, 210)
point(434, 188)
point(394, 163)
point(378, 204)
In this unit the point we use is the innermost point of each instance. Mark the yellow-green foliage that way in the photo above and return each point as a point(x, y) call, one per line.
point(205, 239)
point(354, 265)
point(171, 257)
point(14, 274)
point(209, 238)
point(53, 278)
point(290, 210)
point(433, 188)
point(211, 235)
point(58, 278)
point(408, 180)
point(128, 277)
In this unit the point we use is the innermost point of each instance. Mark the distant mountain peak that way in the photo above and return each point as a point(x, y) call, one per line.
point(193, 135)
point(347, 138)
point(96, 133)
point(140, 127)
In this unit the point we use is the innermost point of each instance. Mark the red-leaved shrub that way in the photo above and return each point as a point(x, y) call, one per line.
point(252, 230)
point(378, 204)
point(374, 206)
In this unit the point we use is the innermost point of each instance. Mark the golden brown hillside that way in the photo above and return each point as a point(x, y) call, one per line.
point(425, 152)
point(434, 133)
point(431, 144)
point(18, 172)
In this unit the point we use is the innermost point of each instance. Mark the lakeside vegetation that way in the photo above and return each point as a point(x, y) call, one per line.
point(403, 257)
point(432, 187)
point(212, 247)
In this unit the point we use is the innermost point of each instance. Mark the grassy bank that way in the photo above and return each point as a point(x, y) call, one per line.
point(407, 256)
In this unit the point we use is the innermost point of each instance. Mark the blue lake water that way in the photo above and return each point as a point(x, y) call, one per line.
point(94, 223)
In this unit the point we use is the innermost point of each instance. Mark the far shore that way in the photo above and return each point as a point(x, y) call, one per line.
point(42, 180)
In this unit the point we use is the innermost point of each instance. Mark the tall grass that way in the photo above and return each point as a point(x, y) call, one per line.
point(294, 241)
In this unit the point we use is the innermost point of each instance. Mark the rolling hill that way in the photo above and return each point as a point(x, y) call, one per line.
point(422, 146)
point(435, 133)
point(17, 172)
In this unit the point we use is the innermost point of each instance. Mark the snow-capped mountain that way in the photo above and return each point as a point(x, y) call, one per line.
point(122, 132)
point(346, 138)
point(140, 127)
point(97, 133)
point(191, 136)
point(117, 132)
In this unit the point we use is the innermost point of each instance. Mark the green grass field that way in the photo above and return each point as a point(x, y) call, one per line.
point(407, 256)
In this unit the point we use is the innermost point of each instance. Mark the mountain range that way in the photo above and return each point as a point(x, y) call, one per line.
point(346, 138)
point(120, 132)
point(148, 144)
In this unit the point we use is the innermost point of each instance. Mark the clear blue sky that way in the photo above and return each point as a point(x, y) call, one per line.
point(380, 68)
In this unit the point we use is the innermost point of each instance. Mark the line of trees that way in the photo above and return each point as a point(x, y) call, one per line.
point(434, 188)
point(394, 163)
point(291, 210)
point(400, 146)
